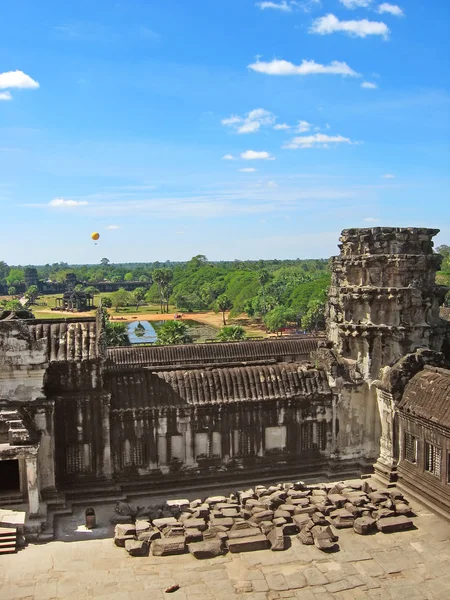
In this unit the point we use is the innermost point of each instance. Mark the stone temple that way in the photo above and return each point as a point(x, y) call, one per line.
point(372, 396)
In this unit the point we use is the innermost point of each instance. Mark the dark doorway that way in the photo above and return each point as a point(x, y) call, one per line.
point(9, 476)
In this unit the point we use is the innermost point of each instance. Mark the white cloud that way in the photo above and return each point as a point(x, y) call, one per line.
point(5, 96)
point(362, 28)
point(317, 140)
point(388, 176)
point(251, 122)
point(248, 170)
point(281, 126)
point(393, 9)
point(228, 157)
point(113, 227)
point(303, 126)
point(369, 85)
point(61, 203)
point(307, 67)
point(283, 5)
point(355, 3)
point(371, 220)
point(252, 155)
point(272, 184)
point(17, 79)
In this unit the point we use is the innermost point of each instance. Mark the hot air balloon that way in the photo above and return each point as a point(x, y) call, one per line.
point(95, 236)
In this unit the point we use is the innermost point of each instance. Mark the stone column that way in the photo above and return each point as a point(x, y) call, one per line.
point(46, 456)
point(185, 427)
point(32, 486)
point(162, 441)
point(106, 468)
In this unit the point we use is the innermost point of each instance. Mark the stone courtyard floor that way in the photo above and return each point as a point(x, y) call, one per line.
point(409, 565)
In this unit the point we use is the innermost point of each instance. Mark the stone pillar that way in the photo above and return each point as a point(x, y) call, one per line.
point(44, 421)
point(106, 467)
point(32, 486)
point(185, 427)
point(162, 442)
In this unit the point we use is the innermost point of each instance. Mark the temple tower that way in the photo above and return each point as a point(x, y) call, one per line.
point(383, 301)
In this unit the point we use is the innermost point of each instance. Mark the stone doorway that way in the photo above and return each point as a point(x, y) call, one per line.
point(9, 477)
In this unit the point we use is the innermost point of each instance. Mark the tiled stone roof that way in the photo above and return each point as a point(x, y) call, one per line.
point(281, 381)
point(277, 349)
point(427, 396)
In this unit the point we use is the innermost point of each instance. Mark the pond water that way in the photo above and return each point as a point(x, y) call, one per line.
point(141, 332)
point(144, 332)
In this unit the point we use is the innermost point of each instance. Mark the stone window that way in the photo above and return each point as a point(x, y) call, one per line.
point(433, 459)
point(275, 438)
point(134, 453)
point(78, 458)
point(307, 436)
point(321, 435)
point(410, 448)
point(242, 442)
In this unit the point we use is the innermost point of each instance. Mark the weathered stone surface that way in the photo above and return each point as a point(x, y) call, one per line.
point(289, 529)
point(168, 546)
point(179, 503)
point(282, 513)
point(207, 549)
point(301, 520)
point(211, 500)
point(225, 522)
point(137, 547)
point(277, 539)
point(248, 544)
point(392, 524)
point(266, 526)
point(401, 508)
point(364, 525)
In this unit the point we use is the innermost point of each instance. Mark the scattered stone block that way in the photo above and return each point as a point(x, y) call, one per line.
point(212, 500)
point(265, 515)
point(197, 523)
point(401, 508)
point(343, 519)
point(225, 522)
point(324, 538)
point(364, 525)
point(168, 546)
point(142, 525)
point(277, 539)
point(301, 520)
point(290, 508)
point(206, 549)
point(193, 535)
point(180, 503)
point(164, 522)
point(248, 544)
point(305, 536)
point(337, 499)
point(289, 529)
point(123, 532)
point(137, 547)
point(280, 521)
point(149, 536)
point(244, 533)
point(392, 524)
point(266, 526)
point(282, 514)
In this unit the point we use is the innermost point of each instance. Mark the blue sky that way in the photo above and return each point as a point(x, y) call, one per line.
point(231, 128)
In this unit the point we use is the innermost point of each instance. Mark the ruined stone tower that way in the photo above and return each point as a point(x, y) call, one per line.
point(383, 300)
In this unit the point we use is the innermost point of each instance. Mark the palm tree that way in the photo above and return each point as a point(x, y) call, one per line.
point(231, 333)
point(224, 304)
point(174, 332)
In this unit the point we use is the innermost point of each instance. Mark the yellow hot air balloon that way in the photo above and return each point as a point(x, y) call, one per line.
point(95, 236)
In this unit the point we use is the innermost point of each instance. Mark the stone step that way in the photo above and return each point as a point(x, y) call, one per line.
point(7, 539)
point(7, 531)
point(8, 543)
point(8, 550)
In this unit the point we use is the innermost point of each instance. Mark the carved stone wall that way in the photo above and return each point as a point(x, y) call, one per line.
point(383, 300)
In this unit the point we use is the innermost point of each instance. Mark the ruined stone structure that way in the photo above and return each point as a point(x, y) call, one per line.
point(74, 414)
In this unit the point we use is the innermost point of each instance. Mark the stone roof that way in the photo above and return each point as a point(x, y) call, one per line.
point(427, 396)
point(281, 381)
point(277, 350)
